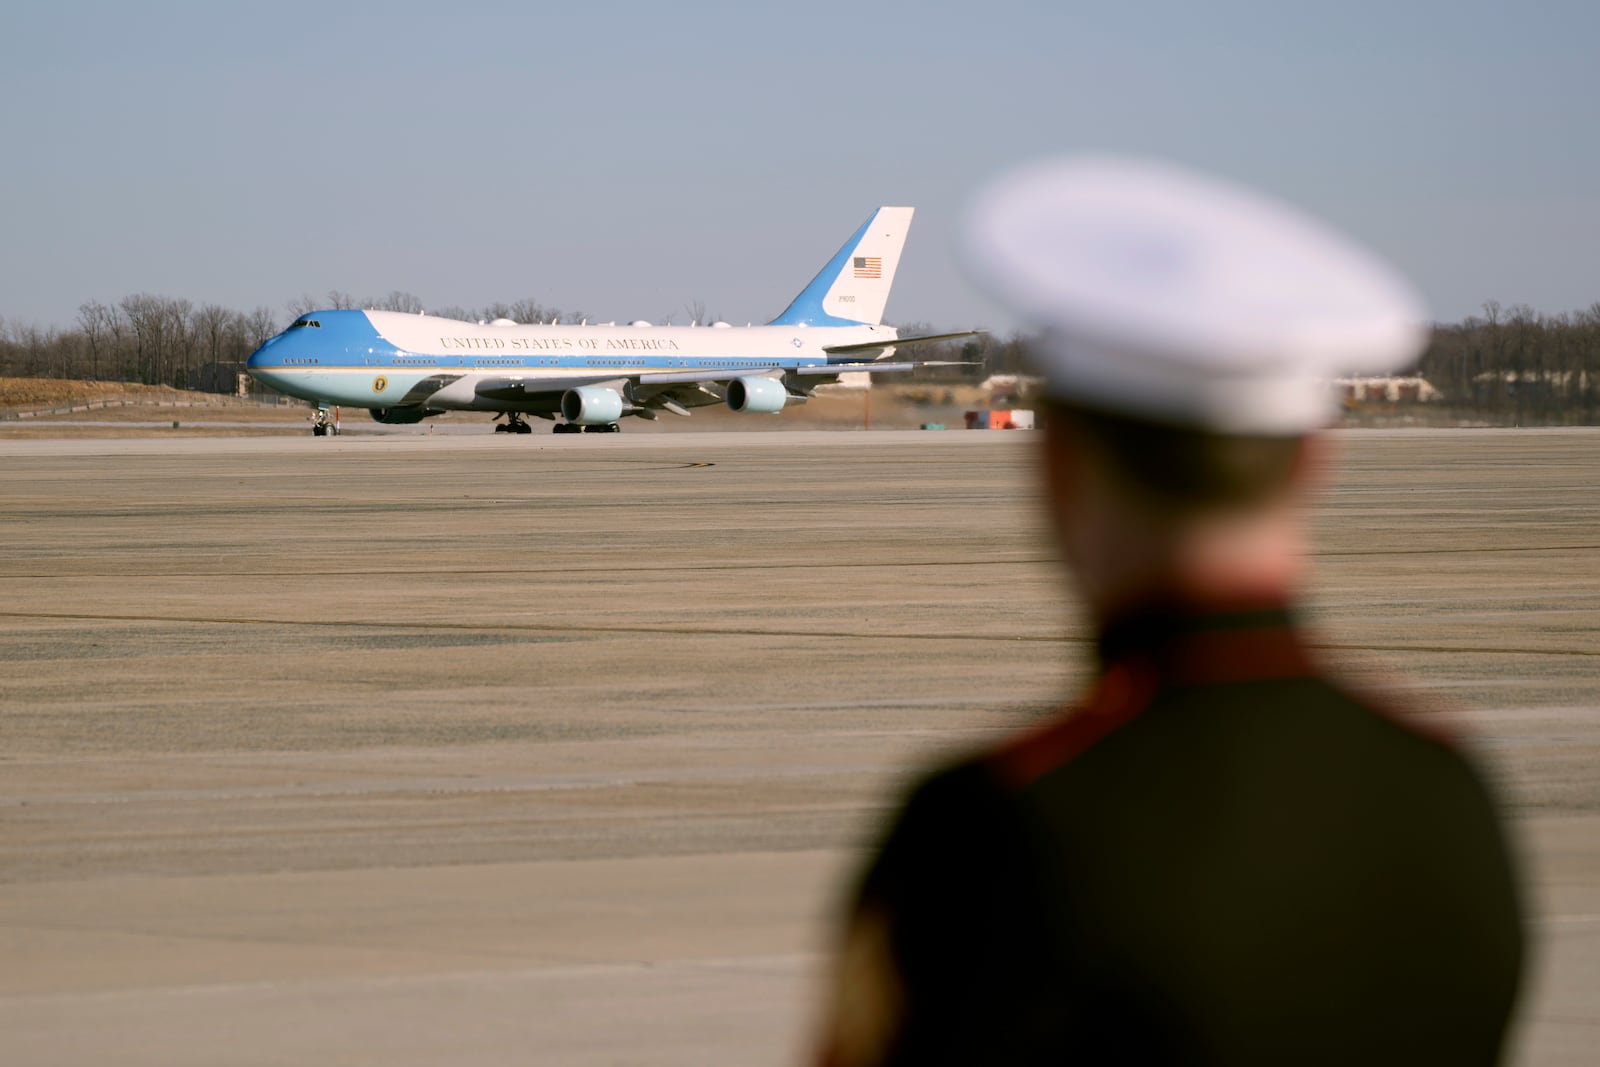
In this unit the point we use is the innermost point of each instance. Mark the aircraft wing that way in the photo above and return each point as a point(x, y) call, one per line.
point(674, 391)
point(689, 388)
point(824, 369)
point(512, 387)
point(420, 392)
point(846, 368)
point(899, 342)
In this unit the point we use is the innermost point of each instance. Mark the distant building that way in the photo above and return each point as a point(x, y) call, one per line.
point(229, 379)
point(1388, 390)
point(1010, 388)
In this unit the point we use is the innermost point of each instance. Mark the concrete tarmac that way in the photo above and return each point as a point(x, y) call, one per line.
point(480, 750)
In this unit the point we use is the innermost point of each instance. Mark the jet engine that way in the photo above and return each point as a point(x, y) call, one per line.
point(400, 416)
point(763, 396)
point(592, 405)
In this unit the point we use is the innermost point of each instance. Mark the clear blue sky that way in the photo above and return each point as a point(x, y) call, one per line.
point(628, 159)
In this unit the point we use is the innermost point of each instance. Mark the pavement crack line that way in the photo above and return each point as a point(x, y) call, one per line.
point(729, 631)
point(558, 571)
point(807, 565)
point(534, 628)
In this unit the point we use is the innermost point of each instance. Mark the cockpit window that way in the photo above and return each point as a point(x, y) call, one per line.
point(297, 323)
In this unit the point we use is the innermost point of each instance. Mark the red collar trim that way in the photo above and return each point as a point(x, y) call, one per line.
point(1122, 692)
point(1181, 655)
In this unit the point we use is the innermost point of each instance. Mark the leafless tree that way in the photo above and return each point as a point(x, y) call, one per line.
point(96, 321)
point(530, 310)
point(147, 320)
point(397, 300)
point(214, 325)
point(259, 325)
point(181, 340)
point(334, 300)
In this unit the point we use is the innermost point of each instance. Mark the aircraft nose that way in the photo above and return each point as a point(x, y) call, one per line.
point(259, 364)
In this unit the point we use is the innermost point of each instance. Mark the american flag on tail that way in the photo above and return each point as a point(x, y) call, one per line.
point(868, 266)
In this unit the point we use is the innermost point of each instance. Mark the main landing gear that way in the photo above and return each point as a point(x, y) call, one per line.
point(514, 423)
point(572, 427)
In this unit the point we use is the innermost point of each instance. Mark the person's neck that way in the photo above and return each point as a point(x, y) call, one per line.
point(1216, 560)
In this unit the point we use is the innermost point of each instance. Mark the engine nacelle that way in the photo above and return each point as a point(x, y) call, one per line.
point(592, 405)
point(400, 416)
point(763, 396)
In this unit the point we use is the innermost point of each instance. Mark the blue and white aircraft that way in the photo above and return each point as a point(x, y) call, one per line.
point(405, 368)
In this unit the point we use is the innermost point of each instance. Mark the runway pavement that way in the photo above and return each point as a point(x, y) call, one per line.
point(480, 750)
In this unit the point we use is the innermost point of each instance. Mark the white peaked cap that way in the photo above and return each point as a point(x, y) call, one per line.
point(1179, 298)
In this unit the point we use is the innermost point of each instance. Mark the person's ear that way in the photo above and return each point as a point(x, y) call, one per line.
point(1060, 463)
point(1315, 462)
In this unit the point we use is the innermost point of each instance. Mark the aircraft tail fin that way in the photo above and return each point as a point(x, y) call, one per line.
point(854, 287)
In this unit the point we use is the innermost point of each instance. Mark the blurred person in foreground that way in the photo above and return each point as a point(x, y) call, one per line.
point(1219, 855)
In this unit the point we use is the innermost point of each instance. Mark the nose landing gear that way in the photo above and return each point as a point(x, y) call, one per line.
point(324, 425)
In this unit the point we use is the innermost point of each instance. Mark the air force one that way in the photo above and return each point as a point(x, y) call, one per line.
point(405, 368)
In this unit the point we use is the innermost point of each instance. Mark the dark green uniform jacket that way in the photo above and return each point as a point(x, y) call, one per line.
point(1219, 858)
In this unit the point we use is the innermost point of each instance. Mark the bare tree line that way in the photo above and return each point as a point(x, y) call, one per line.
point(161, 340)
point(1510, 365)
point(528, 310)
point(1518, 366)
point(155, 340)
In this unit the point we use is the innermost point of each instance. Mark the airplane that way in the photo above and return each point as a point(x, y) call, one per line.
point(407, 367)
